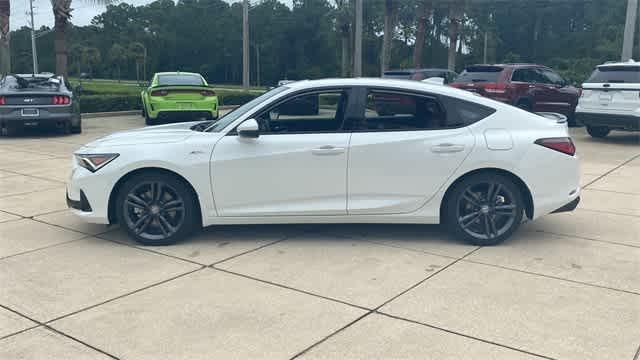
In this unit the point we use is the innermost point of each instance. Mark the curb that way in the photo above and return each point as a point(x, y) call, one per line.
point(136, 112)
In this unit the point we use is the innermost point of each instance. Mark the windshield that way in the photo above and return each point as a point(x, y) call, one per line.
point(29, 82)
point(479, 74)
point(180, 80)
point(615, 74)
point(238, 112)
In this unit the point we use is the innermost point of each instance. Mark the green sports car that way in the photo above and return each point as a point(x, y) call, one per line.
point(178, 96)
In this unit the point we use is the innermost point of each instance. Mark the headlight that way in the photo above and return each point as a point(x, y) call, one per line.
point(94, 162)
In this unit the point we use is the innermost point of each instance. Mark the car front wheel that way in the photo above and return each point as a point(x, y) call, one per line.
point(157, 208)
point(484, 209)
point(598, 131)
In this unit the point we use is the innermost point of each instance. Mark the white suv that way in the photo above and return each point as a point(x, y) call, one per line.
point(610, 99)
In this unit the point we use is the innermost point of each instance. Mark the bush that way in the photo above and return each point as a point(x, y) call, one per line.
point(91, 102)
point(236, 97)
point(105, 103)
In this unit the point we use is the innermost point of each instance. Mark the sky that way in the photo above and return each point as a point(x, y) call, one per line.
point(84, 11)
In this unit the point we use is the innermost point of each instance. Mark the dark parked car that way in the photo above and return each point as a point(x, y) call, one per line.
point(38, 101)
point(420, 74)
point(528, 86)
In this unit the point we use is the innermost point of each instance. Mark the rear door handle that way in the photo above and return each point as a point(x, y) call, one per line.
point(447, 148)
point(327, 150)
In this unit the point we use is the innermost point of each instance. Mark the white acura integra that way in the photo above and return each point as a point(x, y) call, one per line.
point(334, 151)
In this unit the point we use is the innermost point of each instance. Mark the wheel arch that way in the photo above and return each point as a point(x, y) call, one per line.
point(116, 189)
point(524, 189)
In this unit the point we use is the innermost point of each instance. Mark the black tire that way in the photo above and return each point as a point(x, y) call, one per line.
point(471, 217)
point(6, 130)
point(77, 129)
point(598, 131)
point(163, 206)
point(149, 121)
point(66, 127)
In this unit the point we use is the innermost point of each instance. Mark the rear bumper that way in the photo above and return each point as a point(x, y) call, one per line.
point(570, 206)
point(14, 120)
point(611, 121)
point(189, 115)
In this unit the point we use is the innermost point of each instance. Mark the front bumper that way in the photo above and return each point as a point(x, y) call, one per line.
point(611, 121)
point(570, 206)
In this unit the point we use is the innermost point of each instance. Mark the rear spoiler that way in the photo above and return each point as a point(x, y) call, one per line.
point(559, 118)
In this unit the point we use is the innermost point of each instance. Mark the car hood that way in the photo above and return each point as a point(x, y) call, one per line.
point(169, 133)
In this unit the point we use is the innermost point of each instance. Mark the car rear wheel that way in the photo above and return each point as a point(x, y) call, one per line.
point(149, 121)
point(77, 129)
point(6, 130)
point(484, 209)
point(598, 131)
point(157, 208)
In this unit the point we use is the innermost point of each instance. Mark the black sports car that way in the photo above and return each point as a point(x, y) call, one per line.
point(38, 101)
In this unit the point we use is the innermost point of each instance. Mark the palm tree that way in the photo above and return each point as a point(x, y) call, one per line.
point(424, 13)
point(117, 55)
point(456, 11)
point(62, 13)
point(5, 53)
point(385, 57)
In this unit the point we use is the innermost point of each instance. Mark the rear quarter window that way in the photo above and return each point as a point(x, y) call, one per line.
point(463, 113)
point(615, 74)
point(480, 74)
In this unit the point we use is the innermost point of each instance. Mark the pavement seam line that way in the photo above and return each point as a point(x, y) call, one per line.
point(463, 335)
point(44, 247)
point(123, 295)
point(612, 170)
point(290, 288)
point(308, 348)
point(375, 310)
point(637, 357)
point(550, 276)
point(584, 238)
point(155, 252)
point(45, 326)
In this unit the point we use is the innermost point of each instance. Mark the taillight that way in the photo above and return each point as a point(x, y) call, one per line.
point(580, 92)
point(207, 93)
point(455, 85)
point(561, 144)
point(61, 100)
point(495, 88)
point(2, 100)
point(160, 93)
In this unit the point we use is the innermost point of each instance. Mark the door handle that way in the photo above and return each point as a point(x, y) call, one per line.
point(447, 148)
point(327, 150)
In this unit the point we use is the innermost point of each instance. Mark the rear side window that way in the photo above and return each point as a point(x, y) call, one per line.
point(480, 74)
point(397, 111)
point(615, 74)
point(463, 113)
point(177, 80)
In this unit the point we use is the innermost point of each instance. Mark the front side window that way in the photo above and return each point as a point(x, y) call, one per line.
point(553, 78)
point(392, 111)
point(238, 112)
point(317, 112)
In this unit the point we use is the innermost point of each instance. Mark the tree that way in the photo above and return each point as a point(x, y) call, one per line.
point(5, 53)
point(62, 13)
point(137, 52)
point(424, 13)
point(385, 57)
point(344, 14)
point(456, 9)
point(91, 57)
point(118, 56)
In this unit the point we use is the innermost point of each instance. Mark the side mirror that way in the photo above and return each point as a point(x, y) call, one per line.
point(435, 80)
point(249, 129)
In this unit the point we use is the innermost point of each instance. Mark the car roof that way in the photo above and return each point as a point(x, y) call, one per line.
point(408, 85)
point(41, 75)
point(619, 63)
point(509, 65)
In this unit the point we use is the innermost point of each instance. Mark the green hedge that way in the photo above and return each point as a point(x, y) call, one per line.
point(91, 103)
point(105, 103)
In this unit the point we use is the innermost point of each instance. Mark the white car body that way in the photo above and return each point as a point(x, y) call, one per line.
point(611, 101)
point(345, 177)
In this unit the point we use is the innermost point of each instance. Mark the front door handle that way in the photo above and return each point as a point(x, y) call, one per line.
point(327, 150)
point(447, 148)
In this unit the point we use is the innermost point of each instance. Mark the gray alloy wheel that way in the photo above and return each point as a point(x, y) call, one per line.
point(485, 209)
point(157, 209)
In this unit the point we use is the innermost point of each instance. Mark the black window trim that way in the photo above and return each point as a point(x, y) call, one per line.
point(441, 99)
point(348, 90)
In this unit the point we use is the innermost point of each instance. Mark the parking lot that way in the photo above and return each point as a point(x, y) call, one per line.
point(565, 287)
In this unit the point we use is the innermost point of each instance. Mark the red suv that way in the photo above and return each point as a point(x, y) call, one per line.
point(527, 86)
